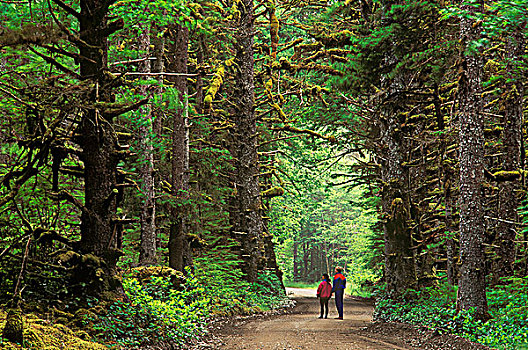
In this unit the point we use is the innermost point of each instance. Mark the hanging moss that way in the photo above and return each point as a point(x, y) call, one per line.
point(336, 39)
point(492, 66)
point(310, 47)
point(216, 83)
point(269, 85)
point(286, 65)
point(273, 192)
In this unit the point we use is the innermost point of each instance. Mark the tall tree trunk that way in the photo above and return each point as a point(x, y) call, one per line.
point(247, 223)
point(503, 265)
point(179, 250)
point(157, 66)
point(400, 271)
point(295, 258)
point(472, 283)
point(452, 270)
point(147, 253)
point(305, 262)
point(99, 231)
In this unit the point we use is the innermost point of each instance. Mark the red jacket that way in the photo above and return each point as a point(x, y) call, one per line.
point(324, 290)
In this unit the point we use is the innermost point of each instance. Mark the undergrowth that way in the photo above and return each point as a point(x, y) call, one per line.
point(435, 308)
point(158, 314)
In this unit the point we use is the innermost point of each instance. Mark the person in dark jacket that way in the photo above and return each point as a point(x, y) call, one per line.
point(324, 293)
point(339, 290)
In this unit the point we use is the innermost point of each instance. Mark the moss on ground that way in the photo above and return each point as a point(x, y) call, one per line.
point(39, 334)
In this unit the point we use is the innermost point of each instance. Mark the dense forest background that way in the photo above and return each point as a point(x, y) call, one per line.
point(165, 162)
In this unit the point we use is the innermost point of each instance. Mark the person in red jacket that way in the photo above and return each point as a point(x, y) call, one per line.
point(324, 293)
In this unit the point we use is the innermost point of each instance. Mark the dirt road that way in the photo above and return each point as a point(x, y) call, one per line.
point(301, 329)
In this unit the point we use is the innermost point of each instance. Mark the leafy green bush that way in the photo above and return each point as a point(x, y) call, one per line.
point(159, 313)
point(156, 313)
point(436, 308)
point(218, 270)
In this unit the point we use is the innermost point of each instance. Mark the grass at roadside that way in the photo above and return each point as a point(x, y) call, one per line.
point(304, 285)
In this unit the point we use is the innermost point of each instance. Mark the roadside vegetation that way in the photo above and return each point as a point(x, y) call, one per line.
point(163, 309)
point(435, 308)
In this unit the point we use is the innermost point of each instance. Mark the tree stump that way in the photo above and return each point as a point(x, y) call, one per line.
point(14, 327)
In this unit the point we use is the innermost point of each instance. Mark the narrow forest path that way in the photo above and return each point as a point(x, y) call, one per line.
point(301, 329)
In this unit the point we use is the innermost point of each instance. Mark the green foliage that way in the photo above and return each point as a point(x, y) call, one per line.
point(319, 216)
point(304, 285)
point(157, 312)
point(436, 308)
point(218, 270)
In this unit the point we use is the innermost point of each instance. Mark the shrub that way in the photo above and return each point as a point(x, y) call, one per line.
point(436, 308)
point(158, 313)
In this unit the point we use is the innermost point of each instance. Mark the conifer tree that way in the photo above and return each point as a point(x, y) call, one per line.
point(179, 248)
point(472, 283)
point(246, 218)
point(147, 252)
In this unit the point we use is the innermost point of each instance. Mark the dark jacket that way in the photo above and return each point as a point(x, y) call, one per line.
point(339, 282)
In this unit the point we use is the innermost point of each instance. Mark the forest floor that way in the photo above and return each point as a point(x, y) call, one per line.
point(299, 328)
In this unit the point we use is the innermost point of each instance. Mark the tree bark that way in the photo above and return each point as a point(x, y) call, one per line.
point(99, 231)
point(179, 249)
point(157, 66)
point(295, 257)
point(472, 284)
point(400, 272)
point(147, 215)
point(247, 223)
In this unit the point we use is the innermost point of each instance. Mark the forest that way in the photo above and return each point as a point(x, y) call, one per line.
point(164, 164)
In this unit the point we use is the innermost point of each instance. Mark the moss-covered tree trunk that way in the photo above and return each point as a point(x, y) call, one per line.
point(14, 327)
point(246, 218)
point(99, 229)
point(400, 272)
point(472, 283)
point(179, 250)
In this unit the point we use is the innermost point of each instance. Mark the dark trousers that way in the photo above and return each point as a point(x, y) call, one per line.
point(339, 301)
point(324, 306)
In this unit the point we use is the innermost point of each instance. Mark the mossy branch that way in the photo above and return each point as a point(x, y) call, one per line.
point(293, 129)
point(273, 192)
point(503, 176)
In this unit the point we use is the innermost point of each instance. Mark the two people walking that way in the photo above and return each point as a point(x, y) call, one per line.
point(325, 290)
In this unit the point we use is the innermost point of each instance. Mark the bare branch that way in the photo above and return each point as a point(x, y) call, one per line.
point(54, 62)
point(68, 9)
